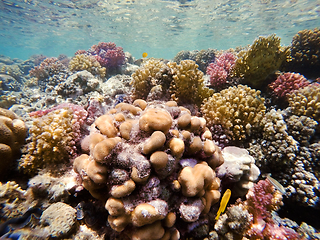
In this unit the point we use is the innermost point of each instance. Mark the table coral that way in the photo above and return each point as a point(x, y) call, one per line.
point(84, 62)
point(305, 53)
point(238, 109)
point(262, 58)
point(12, 135)
point(53, 137)
point(286, 83)
point(306, 101)
point(143, 172)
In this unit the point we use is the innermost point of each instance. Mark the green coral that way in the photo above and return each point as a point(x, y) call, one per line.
point(50, 141)
point(262, 58)
point(306, 102)
point(239, 110)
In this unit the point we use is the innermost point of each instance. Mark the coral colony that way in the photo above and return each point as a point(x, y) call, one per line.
point(104, 146)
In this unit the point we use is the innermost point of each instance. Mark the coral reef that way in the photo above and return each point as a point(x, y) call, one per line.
point(107, 54)
point(219, 70)
point(182, 82)
point(151, 162)
point(239, 110)
point(238, 168)
point(53, 137)
point(203, 57)
point(286, 83)
point(13, 132)
point(306, 101)
point(188, 81)
point(305, 53)
point(47, 68)
point(84, 62)
point(262, 58)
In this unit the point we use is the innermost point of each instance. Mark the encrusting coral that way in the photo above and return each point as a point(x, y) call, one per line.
point(52, 137)
point(182, 82)
point(84, 62)
point(13, 132)
point(262, 58)
point(239, 110)
point(151, 162)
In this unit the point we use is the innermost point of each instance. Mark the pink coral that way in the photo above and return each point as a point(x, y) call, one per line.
point(48, 67)
point(219, 70)
point(287, 82)
point(108, 54)
point(262, 199)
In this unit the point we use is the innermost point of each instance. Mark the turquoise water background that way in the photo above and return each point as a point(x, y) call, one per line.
point(160, 28)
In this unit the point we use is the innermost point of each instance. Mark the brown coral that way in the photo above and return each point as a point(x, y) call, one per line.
point(262, 58)
point(12, 135)
point(84, 62)
point(238, 109)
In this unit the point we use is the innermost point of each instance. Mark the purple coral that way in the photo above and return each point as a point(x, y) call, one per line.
point(108, 54)
point(47, 68)
point(219, 70)
point(287, 82)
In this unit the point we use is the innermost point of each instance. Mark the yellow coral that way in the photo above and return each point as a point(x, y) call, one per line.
point(238, 109)
point(262, 58)
point(306, 102)
point(188, 83)
point(50, 140)
point(143, 79)
point(84, 62)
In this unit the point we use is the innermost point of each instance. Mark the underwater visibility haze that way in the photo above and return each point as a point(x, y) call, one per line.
point(160, 120)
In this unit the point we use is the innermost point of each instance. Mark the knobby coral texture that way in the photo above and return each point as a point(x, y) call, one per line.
point(48, 67)
point(153, 166)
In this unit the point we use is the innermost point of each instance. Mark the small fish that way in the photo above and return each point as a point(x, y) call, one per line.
point(224, 202)
point(144, 55)
point(276, 184)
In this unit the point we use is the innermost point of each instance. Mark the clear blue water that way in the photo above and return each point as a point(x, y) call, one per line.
point(160, 27)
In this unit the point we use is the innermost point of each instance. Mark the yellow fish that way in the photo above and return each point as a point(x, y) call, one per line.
point(224, 202)
point(144, 55)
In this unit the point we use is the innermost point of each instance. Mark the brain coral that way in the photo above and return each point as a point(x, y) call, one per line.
point(306, 101)
point(52, 137)
point(153, 165)
point(262, 58)
point(238, 110)
point(12, 135)
point(305, 53)
point(182, 82)
point(84, 62)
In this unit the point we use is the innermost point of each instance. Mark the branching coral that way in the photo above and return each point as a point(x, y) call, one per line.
point(157, 80)
point(151, 162)
point(47, 68)
point(219, 70)
point(108, 54)
point(262, 58)
point(188, 81)
point(84, 62)
point(53, 137)
point(306, 101)
point(305, 53)
point(286, 83)
point(239, 110)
